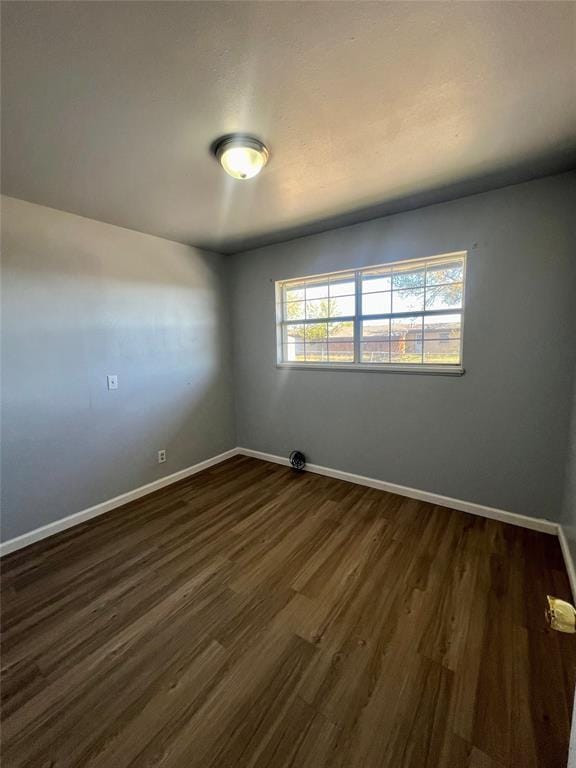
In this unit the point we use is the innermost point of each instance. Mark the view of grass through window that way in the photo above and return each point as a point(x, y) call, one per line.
point(400, 314)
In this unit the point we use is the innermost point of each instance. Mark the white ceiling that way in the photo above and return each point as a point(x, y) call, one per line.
point(109, 108)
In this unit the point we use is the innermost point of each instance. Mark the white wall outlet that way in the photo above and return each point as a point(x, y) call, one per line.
point(112, 381)
point(161, 456)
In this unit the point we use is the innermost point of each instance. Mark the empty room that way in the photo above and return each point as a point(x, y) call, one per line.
point(288, 384)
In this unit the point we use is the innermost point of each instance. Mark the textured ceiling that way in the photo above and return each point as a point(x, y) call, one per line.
point(109, 108)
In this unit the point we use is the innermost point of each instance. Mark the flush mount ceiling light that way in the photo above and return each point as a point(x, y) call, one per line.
point(242, 157)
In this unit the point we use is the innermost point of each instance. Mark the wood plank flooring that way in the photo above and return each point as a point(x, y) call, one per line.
point(251, 616)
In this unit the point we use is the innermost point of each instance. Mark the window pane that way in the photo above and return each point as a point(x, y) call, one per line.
point(410, 276)
point(341, 352)
point(444, 296)
point(341, 331)
point(442, 351)
point(377, 281)
point(316, 332)
point(294, 310)
point(376, 303)
point(434, 325)
point(342, 306)
point(292, 351)
point(343, 285)
point(445, 272)
point(294, 331)
point(408, 300)
point(317, 290)
point(373, 330)
point(317, 309)
point(406, 326)
point(375, 351)
point(406, 351)
point(406, 338)
point(294, 292)
point(293, 343)
point(316, 352)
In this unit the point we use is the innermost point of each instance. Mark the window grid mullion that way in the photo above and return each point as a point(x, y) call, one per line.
point(422, 343)
point(415, 313)
point(317, 320)
point(357, 315)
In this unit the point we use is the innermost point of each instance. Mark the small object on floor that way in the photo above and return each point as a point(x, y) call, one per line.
point(561, 615)
point(297, 460)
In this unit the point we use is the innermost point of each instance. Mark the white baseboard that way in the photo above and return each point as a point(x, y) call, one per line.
point(568, 561)
point(534, 523)
point(106, 506)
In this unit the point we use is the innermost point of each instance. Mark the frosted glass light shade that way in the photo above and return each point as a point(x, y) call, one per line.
point(242, 157)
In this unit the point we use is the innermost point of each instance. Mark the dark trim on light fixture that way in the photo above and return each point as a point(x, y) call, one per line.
point(242, 139)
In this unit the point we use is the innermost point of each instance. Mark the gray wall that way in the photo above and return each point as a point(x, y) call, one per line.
point(81, 300)
point(496, 436)
point(569, 508)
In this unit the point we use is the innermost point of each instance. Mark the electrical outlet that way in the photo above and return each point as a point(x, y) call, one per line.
point(161, 456)
point(112, 380)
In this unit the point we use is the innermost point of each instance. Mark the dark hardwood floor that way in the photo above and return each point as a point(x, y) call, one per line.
point(250, 616)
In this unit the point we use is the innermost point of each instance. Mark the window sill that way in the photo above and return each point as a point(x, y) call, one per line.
point(444, 370)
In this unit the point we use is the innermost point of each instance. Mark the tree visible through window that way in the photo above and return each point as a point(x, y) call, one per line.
point(396, 315)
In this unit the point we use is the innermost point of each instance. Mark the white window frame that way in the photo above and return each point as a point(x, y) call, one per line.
point(358, 317)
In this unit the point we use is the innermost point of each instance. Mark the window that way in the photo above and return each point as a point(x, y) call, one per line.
point(402, 316)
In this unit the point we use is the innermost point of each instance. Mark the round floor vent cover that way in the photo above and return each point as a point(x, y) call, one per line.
point(297, 460)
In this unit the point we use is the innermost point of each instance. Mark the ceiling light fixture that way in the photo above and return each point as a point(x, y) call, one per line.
point(242, 157)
